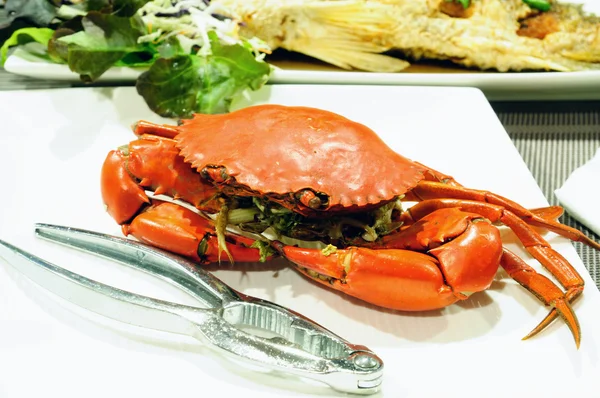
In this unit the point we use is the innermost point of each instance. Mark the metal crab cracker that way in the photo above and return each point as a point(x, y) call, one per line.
point(302, 347)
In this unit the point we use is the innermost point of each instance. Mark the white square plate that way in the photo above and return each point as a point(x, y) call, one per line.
point(53, 145)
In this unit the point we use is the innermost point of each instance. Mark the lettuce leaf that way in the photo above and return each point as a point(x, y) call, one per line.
point(185, 84)
point(24, 36)
point(105, 40)
point(177, 84)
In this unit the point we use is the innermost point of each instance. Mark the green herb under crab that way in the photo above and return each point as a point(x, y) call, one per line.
point(261, 216)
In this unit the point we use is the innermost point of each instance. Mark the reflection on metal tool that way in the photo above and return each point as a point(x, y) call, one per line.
point(301, 347)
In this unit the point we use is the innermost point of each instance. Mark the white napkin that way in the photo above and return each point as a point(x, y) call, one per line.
point(580, 194)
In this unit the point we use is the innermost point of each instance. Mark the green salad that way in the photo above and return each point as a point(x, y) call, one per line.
point(194, 58)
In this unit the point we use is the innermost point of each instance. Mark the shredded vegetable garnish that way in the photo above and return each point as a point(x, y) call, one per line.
point(190, 21)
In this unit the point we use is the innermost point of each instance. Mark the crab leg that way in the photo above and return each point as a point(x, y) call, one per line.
point(162, 130)
point(527, 277)
point(447, 187)
point(179, 230)
point(550, 213)
point(535, 244)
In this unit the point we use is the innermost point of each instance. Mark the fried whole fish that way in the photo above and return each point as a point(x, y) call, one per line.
point(505, 35)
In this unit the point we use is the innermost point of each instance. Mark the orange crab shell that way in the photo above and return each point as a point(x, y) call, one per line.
point(281, 150)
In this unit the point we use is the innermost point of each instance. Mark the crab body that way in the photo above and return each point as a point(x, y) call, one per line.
point(304, 173)
point(307, 160)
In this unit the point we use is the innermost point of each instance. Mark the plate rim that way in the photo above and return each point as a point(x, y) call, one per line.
point(515, 86)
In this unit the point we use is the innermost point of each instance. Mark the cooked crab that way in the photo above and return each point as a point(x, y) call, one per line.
point(315, 176)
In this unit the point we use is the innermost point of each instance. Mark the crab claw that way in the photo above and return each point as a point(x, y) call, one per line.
point(150, 163)
point(176, 229)
point(122, 196)
point(395, 279)
point(467, 246)
point(441, 259)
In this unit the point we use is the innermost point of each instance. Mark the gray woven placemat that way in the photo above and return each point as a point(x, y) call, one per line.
point(554, 139)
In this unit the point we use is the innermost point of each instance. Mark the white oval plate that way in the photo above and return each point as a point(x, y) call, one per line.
point(496, 86)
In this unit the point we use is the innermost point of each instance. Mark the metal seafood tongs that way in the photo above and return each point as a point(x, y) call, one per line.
point(301, 347)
